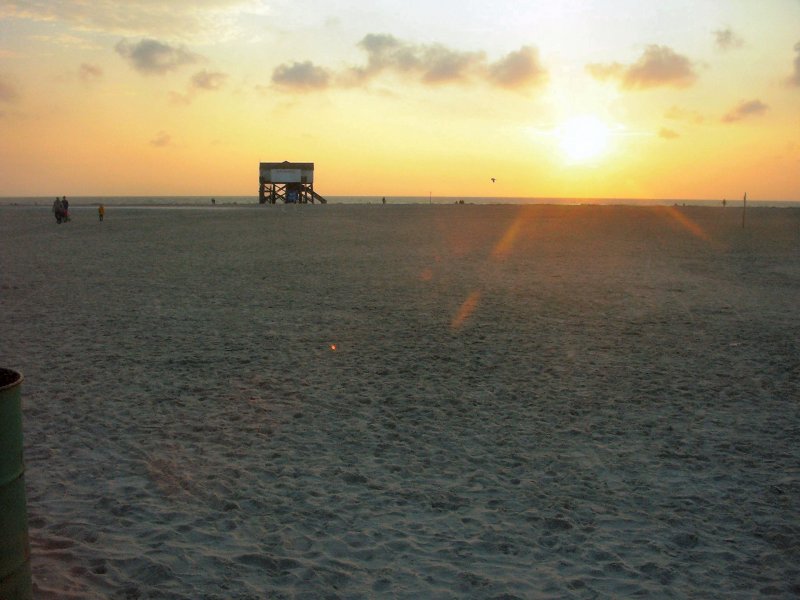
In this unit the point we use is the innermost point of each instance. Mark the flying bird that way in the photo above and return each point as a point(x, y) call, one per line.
point(493, 179)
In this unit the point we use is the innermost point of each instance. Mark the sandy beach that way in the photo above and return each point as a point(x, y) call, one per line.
point(408, 401)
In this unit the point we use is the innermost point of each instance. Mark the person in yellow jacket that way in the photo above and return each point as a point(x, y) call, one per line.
point(101, 211)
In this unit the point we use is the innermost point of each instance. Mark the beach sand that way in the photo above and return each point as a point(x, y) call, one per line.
point(408, 401)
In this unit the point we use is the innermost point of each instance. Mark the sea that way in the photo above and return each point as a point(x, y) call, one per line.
point(208, 201)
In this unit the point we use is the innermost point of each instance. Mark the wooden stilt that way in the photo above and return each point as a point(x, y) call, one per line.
point(744, 209)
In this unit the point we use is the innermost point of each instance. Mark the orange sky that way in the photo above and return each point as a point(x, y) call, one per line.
point(616, 98)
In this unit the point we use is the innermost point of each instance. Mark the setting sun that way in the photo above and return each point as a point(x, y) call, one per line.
point(186, 98)
point(583, 138)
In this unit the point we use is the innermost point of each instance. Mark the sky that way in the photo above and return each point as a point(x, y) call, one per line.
point(692, 99)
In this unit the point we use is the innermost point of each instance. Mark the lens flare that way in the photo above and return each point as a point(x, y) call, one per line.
point(686, 223)
point(466, 309)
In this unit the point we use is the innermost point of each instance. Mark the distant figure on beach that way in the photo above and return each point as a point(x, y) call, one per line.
point(101, 212)
point(384, 199)
point(213, 201)
point(61, 210)
point(58, 210)
point(724, 202)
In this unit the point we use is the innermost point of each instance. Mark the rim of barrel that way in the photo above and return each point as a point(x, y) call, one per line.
point(9, 378)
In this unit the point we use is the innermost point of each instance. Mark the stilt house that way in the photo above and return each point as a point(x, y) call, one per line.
point(287, 182)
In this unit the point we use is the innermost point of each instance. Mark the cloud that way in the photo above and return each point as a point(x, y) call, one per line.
point(431, 63)
point(202, 81)
point(176, 18)
point(152, 57)
point(752, 108)
point(181, 99)
point(68, 40)
point(8, 93)
point(89, 73)
point(428, 64)
point(676, 113)
point(668, 134)
point(210, 81)
point(301, 77)
point(442, 65)
point(518, 69)
point(162, 140)
point(794, 79)
point(726, 39)
point(658, 66)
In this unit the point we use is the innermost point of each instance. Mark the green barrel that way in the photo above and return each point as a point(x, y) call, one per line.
point(15, 564)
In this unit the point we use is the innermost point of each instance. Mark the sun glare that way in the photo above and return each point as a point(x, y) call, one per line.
point(583, 138)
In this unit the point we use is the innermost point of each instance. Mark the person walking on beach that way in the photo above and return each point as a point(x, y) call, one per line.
point(64, 208)
point(57, 210)
point(101, 211)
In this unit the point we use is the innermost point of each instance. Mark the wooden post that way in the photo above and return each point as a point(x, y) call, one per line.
point(744, 208)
